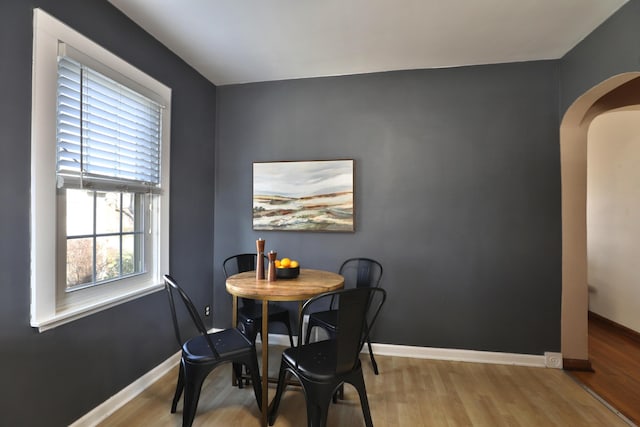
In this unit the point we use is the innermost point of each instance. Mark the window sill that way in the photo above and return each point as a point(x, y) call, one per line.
point(69, 315)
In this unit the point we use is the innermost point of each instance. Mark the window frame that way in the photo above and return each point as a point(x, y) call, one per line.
point(64, 292)
point(49, 307)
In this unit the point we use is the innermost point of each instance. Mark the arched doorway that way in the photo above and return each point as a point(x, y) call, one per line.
point(617, 92)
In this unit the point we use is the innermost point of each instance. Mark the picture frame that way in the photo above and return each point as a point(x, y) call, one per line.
point(313, 195)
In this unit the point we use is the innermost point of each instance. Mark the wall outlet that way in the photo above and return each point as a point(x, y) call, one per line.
point(553, 360)
point(207, 310)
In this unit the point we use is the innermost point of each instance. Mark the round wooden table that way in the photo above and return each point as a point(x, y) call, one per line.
point(307, 285)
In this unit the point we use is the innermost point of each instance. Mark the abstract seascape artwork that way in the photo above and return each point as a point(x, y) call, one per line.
point(304, 195)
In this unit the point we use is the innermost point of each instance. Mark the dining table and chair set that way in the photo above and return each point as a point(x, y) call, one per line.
point(345, 305)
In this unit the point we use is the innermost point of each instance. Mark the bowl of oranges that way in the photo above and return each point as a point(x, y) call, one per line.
point(287, 268)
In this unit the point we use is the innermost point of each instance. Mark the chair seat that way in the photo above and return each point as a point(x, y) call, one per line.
point(316, 361)
point(228, 343)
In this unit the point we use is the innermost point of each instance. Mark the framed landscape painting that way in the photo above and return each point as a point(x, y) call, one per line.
point(303, 195)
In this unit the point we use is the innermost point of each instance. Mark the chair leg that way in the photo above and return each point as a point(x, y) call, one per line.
point(252, 368)
point(283, 377)
point(357, 380)
point(323, 412)
point(250, 330)
point(288, 325)
point(313, 415)
point(318, 398)
point(179, 388)
point(373, 359)
point(193, 378)
point(237, 369)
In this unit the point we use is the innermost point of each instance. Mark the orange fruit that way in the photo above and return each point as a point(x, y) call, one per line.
point(277, 262)
point(294, 264)
point(285, 262)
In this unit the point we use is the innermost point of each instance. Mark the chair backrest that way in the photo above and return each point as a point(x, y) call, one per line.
point(171, 286)
point(358, 309)
point(239, 264)
point(361, 272)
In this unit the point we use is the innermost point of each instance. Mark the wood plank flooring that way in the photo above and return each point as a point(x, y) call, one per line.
point(615, 359)
point(408, 392)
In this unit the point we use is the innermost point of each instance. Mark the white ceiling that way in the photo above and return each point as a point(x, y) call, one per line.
point(239, 41)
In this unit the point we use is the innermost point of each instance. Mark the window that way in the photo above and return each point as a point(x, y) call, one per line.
point(100, 174)
point(104, 236)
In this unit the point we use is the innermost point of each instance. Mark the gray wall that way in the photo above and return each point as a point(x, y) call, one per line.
point(55, 377)
point(613, 48)
point(457, 194)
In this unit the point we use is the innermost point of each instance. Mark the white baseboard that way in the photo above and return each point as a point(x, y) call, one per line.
point(465, 355)
point(549, 360)
point(115, 402)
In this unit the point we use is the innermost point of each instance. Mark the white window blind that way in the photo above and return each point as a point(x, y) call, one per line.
point(108, 136)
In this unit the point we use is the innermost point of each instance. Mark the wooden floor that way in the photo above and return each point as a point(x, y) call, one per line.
point(615, 359)
point(408, 392)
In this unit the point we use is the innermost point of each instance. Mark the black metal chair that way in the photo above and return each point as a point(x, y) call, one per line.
point(358, 273)
point(322, 367)
point(250, 311)
point(204, 352)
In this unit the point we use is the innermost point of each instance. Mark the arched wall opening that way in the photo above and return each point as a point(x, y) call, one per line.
point(617, 92)
point(613, 209)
